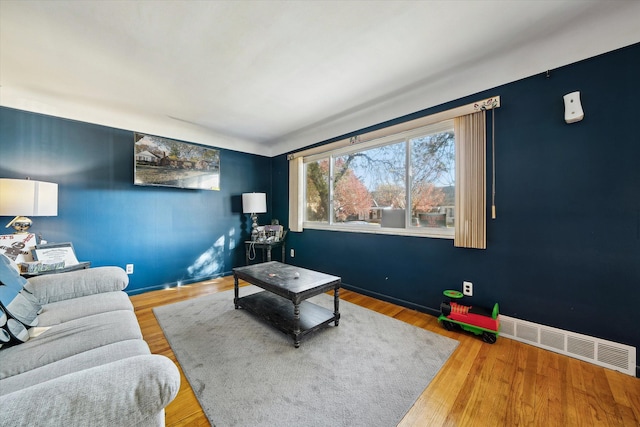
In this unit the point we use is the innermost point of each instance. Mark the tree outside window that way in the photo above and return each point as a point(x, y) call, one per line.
point(360, 186)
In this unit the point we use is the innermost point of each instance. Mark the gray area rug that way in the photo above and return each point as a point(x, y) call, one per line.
point(368, 371)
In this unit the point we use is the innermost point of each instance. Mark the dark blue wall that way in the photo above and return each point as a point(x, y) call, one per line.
point(564, 250)
point(170, 235)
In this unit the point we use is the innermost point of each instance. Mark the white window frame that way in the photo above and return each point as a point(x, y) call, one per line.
point(408, 230)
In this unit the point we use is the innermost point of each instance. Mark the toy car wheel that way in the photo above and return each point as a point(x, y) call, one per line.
point(488, 337)
point(449, 326)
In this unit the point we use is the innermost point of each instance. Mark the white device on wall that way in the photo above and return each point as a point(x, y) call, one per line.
point(572, 107)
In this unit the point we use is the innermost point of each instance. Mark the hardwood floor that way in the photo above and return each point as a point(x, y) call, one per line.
point(504, 384)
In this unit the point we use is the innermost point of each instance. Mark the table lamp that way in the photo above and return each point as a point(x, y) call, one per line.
point(25, 197)
point(254, 203)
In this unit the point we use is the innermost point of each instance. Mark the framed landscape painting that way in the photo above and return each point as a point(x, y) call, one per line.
point(169, 163)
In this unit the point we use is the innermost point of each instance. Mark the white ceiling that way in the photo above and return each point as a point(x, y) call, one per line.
point(268, 77)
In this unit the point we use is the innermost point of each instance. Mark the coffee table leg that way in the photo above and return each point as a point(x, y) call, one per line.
point(235, 291)
point(296, 325)
point(336, 305)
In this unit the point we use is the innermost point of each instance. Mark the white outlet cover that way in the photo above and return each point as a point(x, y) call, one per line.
point(467, 288)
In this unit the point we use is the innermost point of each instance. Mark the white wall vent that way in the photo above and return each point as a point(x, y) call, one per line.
point(507, 326)
point(527, 332)
point(608, 354)
point(552, 339)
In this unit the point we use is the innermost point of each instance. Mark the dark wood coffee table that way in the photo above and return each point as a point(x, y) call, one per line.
point(283, 285)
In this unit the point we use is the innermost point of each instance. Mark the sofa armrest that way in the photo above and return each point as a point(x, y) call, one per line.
point(131, 391)
point(57, 287)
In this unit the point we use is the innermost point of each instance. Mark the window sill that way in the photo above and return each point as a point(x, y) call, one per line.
point(437, 233)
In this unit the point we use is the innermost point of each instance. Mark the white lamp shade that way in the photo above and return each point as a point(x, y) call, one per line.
point(28, 198)
point(254, 202)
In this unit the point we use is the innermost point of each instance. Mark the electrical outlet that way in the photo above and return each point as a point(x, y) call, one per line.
point(467, 289)
point(292, 253)
point(129, 268)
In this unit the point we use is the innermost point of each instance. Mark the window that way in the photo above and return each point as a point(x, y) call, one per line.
point(423, 177)
point(400, 184)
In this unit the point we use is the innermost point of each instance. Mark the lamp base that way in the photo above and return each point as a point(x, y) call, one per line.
point(21, 224)
point(254, 227)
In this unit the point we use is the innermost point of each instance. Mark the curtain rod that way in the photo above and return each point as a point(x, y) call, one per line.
point(485, 104)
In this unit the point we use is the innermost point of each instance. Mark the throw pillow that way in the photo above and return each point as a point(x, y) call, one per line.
point(10, 273)
point(19, 308)
point(4, 334)
point(4, 337)
point(13, 333)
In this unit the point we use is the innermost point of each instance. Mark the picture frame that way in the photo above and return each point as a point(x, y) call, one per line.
point(55, 253)
point(166, 162)
point(18, 246)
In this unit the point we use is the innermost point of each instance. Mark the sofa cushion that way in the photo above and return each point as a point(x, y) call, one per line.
point(64, 311)
point(50, 288)
point(128, 392)
point(69, 338)
point(78, 362)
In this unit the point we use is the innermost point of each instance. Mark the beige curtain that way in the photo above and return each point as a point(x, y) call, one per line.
point(470, 211)
point(296, 204)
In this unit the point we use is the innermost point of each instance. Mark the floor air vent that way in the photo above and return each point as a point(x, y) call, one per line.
point(608, 354)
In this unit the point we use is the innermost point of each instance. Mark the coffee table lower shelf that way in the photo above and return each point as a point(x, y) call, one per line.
point(280, 313)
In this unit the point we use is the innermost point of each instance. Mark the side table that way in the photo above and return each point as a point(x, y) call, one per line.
point(266, 247)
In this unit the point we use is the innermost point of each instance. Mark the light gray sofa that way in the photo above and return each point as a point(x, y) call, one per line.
point(90, 367)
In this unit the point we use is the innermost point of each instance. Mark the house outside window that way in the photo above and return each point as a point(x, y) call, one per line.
point(399, 184)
